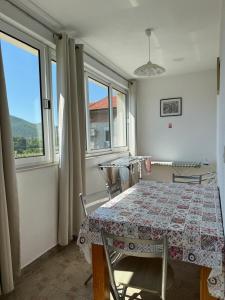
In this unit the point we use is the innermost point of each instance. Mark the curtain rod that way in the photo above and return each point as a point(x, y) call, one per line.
point(59, 35)
point(104, 65)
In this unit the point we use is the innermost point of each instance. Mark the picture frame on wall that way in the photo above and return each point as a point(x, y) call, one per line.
point(171, 107)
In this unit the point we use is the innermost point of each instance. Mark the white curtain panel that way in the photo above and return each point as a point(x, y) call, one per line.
point(9, 208)
point(70, 85)
point(132, 118)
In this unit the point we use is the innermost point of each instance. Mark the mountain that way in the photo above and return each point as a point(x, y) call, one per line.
point(23, 128)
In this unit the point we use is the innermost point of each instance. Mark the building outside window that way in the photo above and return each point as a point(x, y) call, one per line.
point(99, 115)
point(106, 116)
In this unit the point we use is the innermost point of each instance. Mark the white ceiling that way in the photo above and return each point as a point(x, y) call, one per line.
point(186, 36)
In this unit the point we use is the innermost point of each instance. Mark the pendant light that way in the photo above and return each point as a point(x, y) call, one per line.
point(149, 69)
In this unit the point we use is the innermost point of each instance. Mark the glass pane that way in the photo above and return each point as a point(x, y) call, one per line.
point(55, 106)
point(119, 118)
point(22, 75)
point(98, 106)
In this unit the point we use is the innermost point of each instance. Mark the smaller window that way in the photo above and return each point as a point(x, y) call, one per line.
point(99, 115)
point(119, 118)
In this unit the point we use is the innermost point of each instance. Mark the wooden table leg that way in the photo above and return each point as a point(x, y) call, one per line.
point(204, 294)
point(100, 274)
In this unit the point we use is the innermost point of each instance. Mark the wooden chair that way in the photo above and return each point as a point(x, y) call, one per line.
point(147, 270)
point(191, 179)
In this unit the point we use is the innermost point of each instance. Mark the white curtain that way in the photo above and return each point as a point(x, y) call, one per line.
point(9, 210)
point(132, 118)
point(70, 85)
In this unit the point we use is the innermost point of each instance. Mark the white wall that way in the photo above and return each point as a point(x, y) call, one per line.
point(38, 201)
point(193, 135)
point(221, 118)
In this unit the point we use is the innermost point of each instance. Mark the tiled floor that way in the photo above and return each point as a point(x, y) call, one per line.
point(61, 277)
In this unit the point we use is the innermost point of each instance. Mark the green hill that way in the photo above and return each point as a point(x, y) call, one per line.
point(23, 128)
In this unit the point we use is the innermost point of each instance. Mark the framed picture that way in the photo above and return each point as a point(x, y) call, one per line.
point(171, 107)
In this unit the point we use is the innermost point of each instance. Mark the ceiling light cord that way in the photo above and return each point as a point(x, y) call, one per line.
point(149, 69)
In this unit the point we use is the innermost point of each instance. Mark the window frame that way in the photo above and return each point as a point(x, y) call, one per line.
point(115, 87)
point(111, 85)
point(52, 57)
point(45, 94)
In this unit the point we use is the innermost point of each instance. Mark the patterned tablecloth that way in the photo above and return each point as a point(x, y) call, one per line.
point(189, 215)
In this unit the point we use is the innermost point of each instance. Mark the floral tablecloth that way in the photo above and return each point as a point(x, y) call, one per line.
point(189, 215)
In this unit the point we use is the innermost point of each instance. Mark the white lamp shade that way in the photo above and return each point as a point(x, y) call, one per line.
point(149, 69)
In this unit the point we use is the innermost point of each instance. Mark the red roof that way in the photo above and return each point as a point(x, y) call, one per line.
point(103, 103)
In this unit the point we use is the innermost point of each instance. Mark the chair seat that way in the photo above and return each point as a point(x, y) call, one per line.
point(142, 273)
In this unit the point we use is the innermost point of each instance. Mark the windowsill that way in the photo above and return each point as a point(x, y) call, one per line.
point(32, 167)
point(91, 155)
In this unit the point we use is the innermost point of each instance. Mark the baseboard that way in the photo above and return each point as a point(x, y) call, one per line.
point(49, 253)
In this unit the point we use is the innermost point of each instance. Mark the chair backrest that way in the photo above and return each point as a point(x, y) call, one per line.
point(209, 178)
point(130, 246)
point(84, 204)
point(191, 179)
point(113, 189)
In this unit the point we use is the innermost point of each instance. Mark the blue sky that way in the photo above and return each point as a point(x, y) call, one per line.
point(21, 70)
point(96, 91)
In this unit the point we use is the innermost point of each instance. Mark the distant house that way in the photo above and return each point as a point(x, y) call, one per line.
point(99, 122)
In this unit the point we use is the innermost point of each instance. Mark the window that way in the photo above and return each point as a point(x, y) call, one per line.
point(30, 92)
point(99, 114)
point(119, 118)
point(22, 76)
point(55, 106)
point(106, 116)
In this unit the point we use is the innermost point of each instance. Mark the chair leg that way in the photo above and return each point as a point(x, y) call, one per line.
point(88, 279)
point(124, 292)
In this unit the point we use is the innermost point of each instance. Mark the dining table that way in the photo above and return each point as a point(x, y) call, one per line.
point(188, 215)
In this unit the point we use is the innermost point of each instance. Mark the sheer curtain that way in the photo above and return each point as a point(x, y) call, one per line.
point(70, 85)
point(9, 208)
point(132, 118)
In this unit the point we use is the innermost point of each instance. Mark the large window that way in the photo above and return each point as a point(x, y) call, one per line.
point(31, 94)
point(22, 76)
point(106, 116)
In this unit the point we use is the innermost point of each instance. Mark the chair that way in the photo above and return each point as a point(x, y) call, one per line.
point(191, 179)
point(114, 255)
point(84, 203)
point(113, 189)
point(147, 270)
point(209, 178)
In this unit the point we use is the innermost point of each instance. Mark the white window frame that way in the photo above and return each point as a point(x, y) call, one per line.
point(111, 85)
point(45, 89)
point(122, 148)
point(52, 57)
